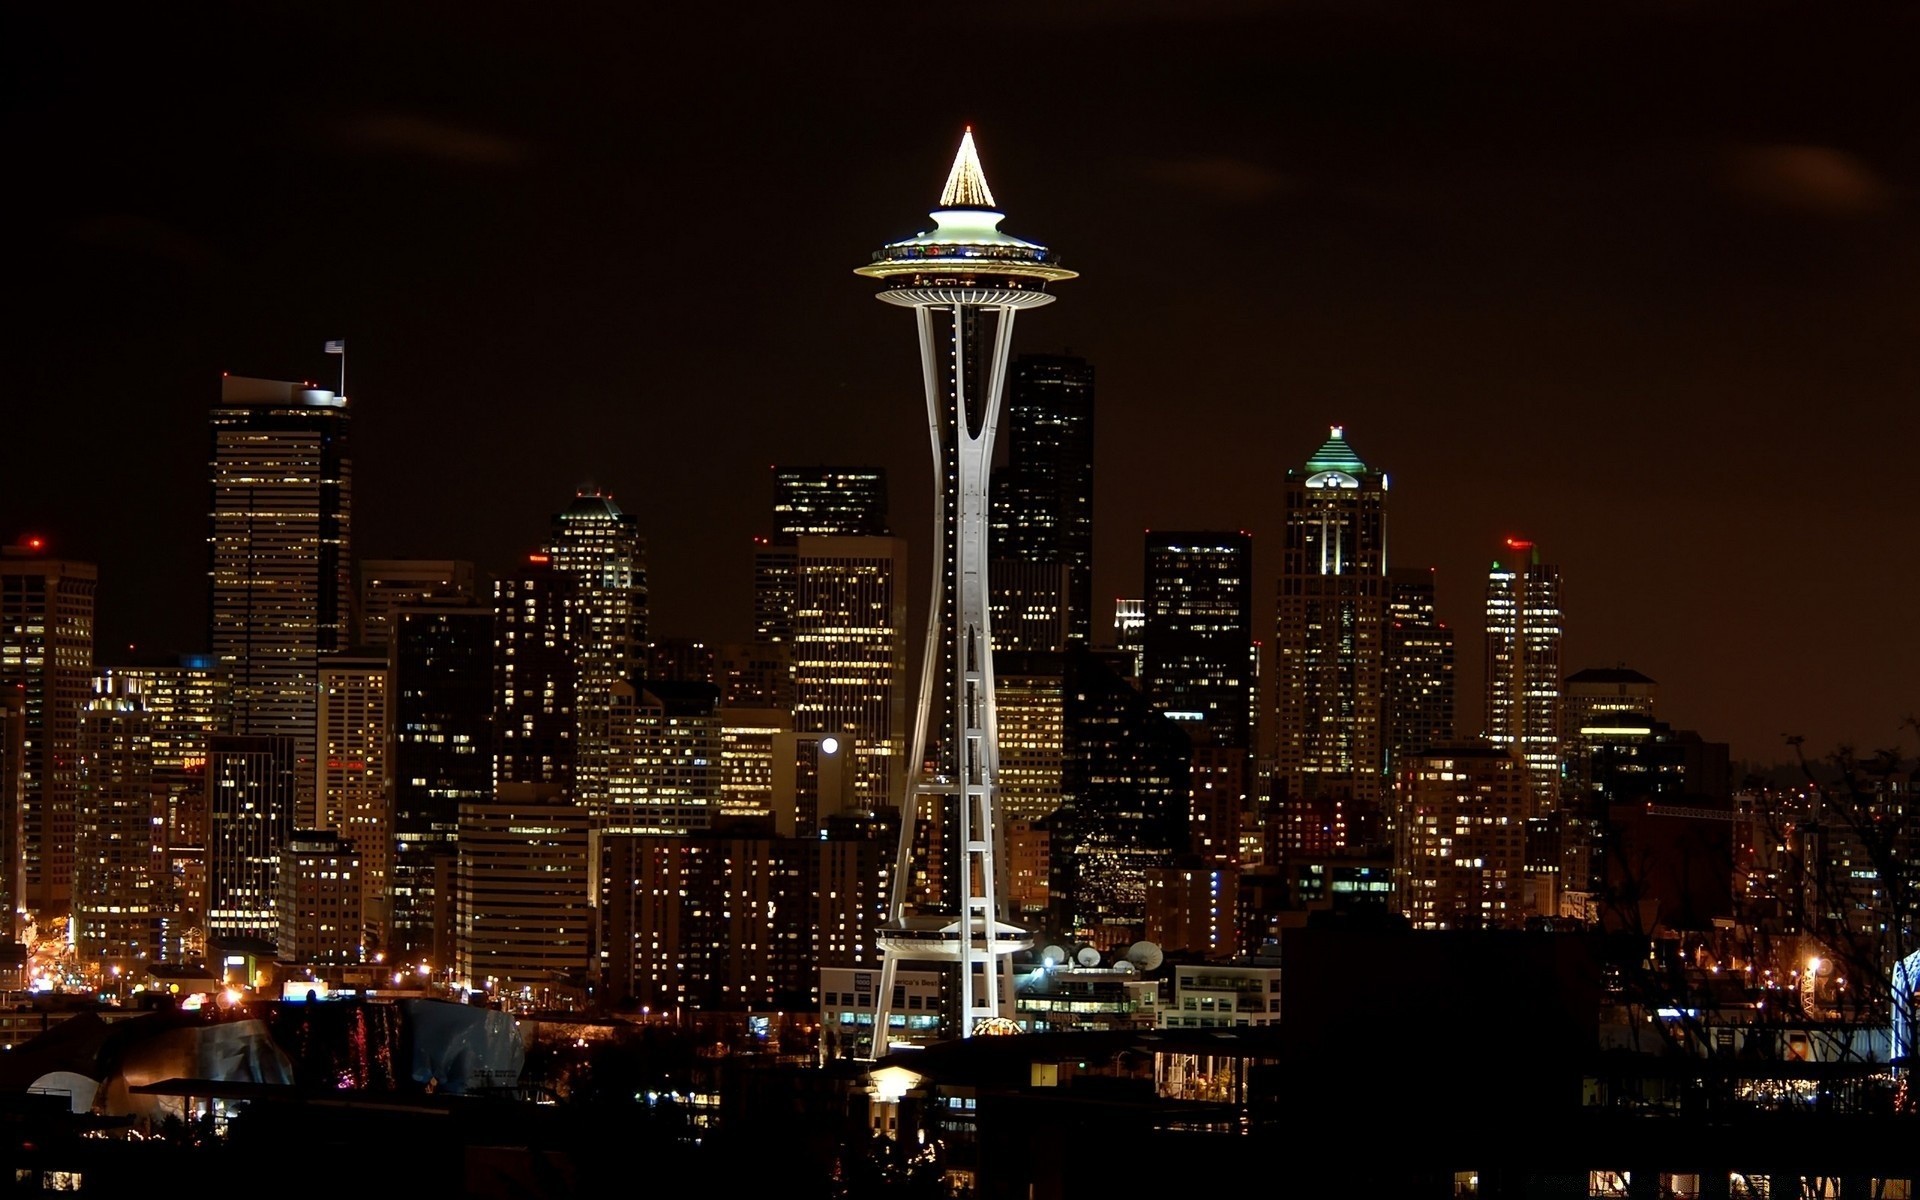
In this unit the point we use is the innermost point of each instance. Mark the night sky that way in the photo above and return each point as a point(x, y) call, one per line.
point(1640, 282)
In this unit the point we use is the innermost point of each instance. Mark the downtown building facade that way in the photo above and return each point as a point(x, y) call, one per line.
point(1041, 533)
point(119, 876)
point(598, 549)
point(388, 584)
point(1460, 839)
point(440, 690)
point(850, 655)
point(188, 701)
point(280, 570)
point(353, 800)
point(279, 599)
point(1524, 685)
point(1331, 629)
point(808, 501)
point(1124, 808)
point(46, 658)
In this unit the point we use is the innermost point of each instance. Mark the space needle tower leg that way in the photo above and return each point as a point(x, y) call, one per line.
point(965, 271)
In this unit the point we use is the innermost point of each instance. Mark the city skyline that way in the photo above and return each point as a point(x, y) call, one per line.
point(1611, 323)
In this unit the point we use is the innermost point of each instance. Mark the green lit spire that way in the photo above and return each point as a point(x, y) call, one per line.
point(1335, 455)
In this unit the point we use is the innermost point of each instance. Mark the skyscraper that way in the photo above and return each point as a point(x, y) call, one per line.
point(280, 569)
point(1460, 839)
point(353, 798)
point(187, 701)
point(814, 501)
point(119, 867)
point(1330, 744)
point(390, 583)
point(46, 655)
point(599, 549)
point(251, 780)
point(822, 501)
point(1198, 638)
point(667, 775)
point(1043, 498)
point(850, 655)
point(1419, 666)
point(1129, 626)
point(1523, 678)
point(525, 917)
point(1125, 795)
point(535, 676)
point(13, 753)
point(964, 281)
point(441, 687)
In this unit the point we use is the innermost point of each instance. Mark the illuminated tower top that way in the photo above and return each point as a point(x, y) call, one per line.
point(965, 251)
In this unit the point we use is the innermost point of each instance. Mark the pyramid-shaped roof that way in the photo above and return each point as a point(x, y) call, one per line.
point(1335, 455)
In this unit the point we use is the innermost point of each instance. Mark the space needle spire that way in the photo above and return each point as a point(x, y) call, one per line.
point(964, 279)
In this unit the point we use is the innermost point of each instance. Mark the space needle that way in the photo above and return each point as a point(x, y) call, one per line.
point(964, 280)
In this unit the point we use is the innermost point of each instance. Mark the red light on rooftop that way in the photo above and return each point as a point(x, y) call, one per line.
point(34, 542)
point(1519, 544)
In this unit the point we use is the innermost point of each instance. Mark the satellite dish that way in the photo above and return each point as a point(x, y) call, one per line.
point(1124, 967)
point(1087, 957)
point(1145, 955)
point(1054, 956)
point(78, 1090)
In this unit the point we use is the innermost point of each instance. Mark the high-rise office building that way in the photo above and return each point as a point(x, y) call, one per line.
point(1200, 668)
point(251, 781)
point(13, 753)
point(1595, 700)
point(1330, 746)
point(119, 869)
point(1129, 627)
point(1123, 812)
point(747, 755)
point(280, 566)
point(1524, 685)
point(1460, 839)
point(1029, 604)
point(964, 281)
point(390, 583)
point(679, 660)
point(668, 771)
point(321, 890)
point(441, 687)
point(524, 905)
point(188, 701)
point(599, 549)
point(46, 656)
point(819, 501)
point(850, 655)
point(354, 796)
point(712, 922)
point(1197, 641)
point(1030, 702)
point(536, 676)
point(755, 674)
point(1419, 666)
point(1043, 497)
point(824, 501)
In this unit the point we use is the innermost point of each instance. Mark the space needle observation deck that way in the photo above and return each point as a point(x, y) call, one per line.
point(965, 280)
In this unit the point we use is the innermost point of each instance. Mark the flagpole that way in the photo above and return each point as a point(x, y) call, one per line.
point(343, 372)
